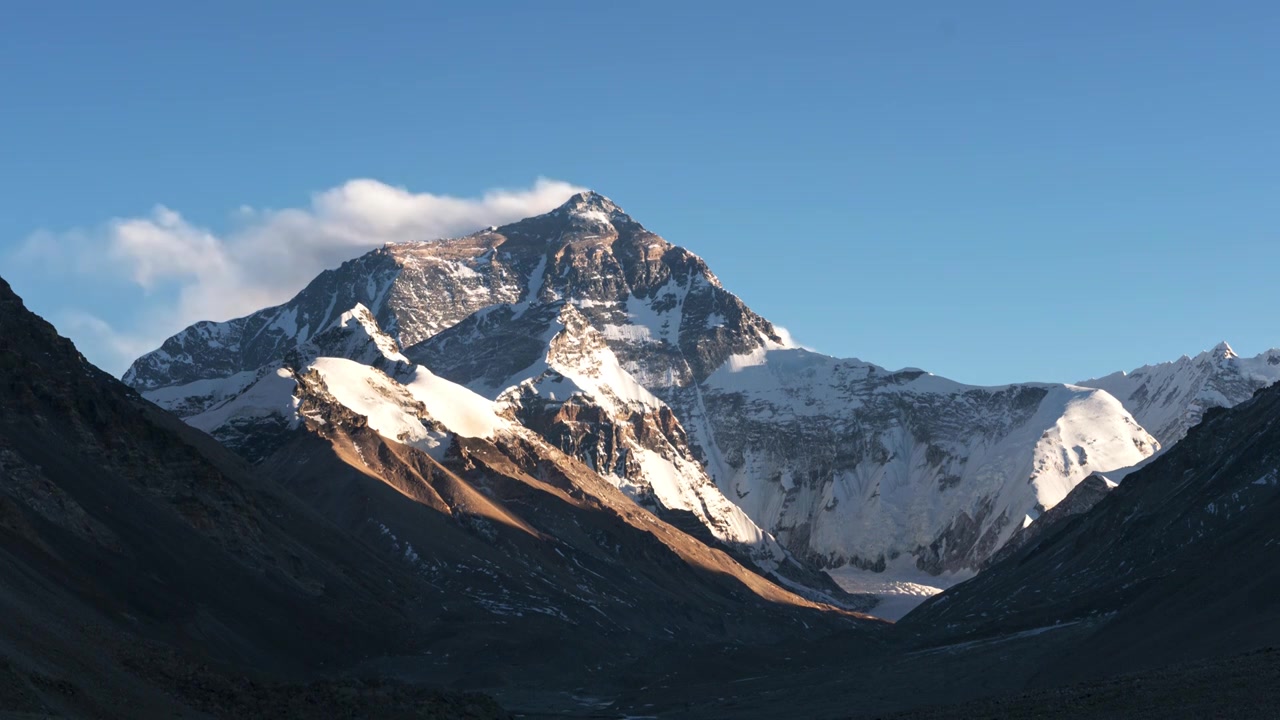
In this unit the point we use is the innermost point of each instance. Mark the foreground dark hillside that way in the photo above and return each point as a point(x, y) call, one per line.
point(143, 567)
point(1244, 686)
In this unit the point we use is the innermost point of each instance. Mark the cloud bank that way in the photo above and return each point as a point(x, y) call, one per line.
point(193, 273)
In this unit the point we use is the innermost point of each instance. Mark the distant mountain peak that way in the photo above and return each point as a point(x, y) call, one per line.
point(1169, 398)
point(1222, 351)
point(591, 206)
point(589, 199)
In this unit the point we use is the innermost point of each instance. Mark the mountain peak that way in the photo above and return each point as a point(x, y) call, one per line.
point(589, 198)
point(1222, 351)
point(590, 205)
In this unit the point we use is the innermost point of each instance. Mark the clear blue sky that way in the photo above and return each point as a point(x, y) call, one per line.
point(991, 191)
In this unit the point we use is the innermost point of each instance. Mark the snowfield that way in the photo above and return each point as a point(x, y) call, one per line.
point(898, 590)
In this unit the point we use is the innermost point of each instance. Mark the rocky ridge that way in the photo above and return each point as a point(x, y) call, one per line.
point(1170, 398)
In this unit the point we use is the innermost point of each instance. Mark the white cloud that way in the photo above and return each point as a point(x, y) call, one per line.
point(264, 260)
point(165, 246)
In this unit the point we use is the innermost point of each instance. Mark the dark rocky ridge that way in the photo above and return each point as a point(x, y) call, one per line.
point(1080, 500)
point(139, 557)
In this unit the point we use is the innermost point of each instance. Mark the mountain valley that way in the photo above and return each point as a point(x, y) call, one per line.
point(554, 468)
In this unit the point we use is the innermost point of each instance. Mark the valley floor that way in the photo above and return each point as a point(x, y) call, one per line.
point(837, 680)
point(1247, 686)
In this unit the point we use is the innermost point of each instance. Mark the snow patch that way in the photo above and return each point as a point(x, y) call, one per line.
point(389, 404)
point(206, 393)
point(273, 394)
point(388, 407)
point(458, 408)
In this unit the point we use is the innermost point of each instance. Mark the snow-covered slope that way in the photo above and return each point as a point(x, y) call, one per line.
point(905, 463)
point(1170, 398)
point(417, 409)
point(637, 443)
point(626, 352)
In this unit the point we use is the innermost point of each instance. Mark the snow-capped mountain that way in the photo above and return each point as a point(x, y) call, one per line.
point(587, 252)
point(1169, 398)
point(626, 352)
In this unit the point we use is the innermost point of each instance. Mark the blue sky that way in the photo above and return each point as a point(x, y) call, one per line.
point(991, 191)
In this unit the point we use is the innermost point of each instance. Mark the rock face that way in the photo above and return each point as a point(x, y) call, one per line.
point(626, 352)
point(1170, 398)
point(581, 399)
